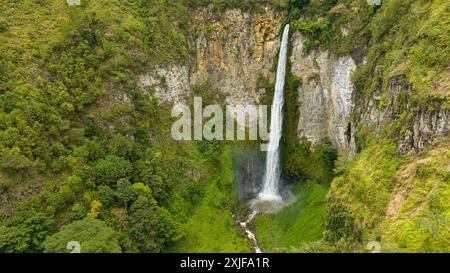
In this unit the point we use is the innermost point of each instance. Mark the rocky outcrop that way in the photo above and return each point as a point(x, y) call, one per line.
point(171, 84)
point(328, 107)
point(232, 51)
point(325, 95)
point(425, 125)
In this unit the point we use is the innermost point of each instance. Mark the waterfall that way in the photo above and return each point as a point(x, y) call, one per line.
point(269, 198)
point(270, 190)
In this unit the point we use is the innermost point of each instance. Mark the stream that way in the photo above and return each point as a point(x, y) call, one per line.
point(250, 235)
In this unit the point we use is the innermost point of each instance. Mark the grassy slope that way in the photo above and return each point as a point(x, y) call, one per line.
point(402, 203)
point(300, 222)
point(418, 214)
point(29, 32)
point(211, 227)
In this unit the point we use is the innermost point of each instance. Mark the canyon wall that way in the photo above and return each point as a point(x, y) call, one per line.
point(231, 51)
point(329, 107)
point(235, 50)
point(325, 95)
point(426, 124)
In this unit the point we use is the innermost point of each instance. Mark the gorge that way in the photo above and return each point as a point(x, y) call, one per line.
point(359, 126)
point(327, 104)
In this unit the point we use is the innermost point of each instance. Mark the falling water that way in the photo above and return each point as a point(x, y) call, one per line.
point(269, 198)
point(270, 190)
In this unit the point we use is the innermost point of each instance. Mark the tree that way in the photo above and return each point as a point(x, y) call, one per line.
point(25, 231)
point(93, 235)
point(111, 169)
point(151, 174)
point(153, 227)
point(12, 160)
point(95, 209)
point(300, 4)
point(125, 194)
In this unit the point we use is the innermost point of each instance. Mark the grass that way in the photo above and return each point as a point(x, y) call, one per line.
point(419, 209)
point(401, 202)
point(211, 227)
point(300, 222)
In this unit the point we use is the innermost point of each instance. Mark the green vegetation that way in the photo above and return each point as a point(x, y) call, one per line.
point(377, 196)
point(93, 234)
point(79, 138)
point(211, 227)
point(85, 154)
point(368, 181)
point(405, 40)
point(24, 231)
point(308, 162)
point(298, 223)
point(421, 222)
point(398, 202)
point(322, 22)
point(409, 38)
point(244, 5)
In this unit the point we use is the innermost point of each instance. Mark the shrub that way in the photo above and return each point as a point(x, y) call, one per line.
point(112, 168)
point(3, 26)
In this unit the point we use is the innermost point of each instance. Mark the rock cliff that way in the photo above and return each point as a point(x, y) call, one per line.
point(231, 51)
point(325, 95)
point(235, 50)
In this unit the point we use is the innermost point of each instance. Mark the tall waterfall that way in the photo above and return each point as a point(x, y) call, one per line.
point(270, 190)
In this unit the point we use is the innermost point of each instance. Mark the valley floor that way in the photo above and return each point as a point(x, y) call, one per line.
point(211, 227)
point(300, 222)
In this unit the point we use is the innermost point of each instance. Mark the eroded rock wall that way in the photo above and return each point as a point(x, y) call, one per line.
point(232, 51)
point(325, 95)
point(329, 107)
point(235, 50)
point(425, 125)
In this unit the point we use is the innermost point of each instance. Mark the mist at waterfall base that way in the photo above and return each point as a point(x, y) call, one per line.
point(249, 172)
point(268, 196)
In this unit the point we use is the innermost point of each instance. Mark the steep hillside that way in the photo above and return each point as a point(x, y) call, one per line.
point(79, 137)
point(85, 120)
point(392, 111)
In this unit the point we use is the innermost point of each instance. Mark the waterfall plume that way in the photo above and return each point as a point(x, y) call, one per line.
point(270, 190)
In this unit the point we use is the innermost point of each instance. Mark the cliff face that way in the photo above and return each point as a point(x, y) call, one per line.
point(330, 107)
point(325, 96)
point(231, 51)
point(235, 50)
point(422, 129)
